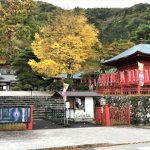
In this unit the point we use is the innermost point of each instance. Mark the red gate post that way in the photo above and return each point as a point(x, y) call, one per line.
point(121, 89)
point(98, 115)
point(129, 118)
point(30, 124)
point(106, 115)
point(138, 89)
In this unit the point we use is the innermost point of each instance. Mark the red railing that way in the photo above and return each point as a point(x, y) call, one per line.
point(124, 90)
point(108, 116)
point(119, 115)
point(124, 83)
point(123, 77)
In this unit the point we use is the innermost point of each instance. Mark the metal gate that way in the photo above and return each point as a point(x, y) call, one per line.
point(55, 115)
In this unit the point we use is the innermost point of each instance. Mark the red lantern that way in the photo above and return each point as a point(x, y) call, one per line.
point(146, 76)
point(122, 78)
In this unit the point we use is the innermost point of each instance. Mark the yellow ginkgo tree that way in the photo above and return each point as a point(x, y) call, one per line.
point(64, 45)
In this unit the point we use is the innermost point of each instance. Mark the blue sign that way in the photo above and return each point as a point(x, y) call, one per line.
point(14, 115)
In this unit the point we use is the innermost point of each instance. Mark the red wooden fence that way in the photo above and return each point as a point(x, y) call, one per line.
point(108, 116)
point(99, 114)
point(119, 115)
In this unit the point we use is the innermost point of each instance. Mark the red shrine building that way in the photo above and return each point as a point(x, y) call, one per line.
point(133, 73)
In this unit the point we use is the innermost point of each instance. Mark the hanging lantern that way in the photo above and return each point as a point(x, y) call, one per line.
point(122, 77)
point(102, 101)
point(136, 75)
point(94, 82)
point(129, 75)
point(132, 76)
point(90, 82)
point(146, 76)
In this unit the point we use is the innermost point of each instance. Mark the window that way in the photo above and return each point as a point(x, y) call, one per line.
point(72, 104)
point(80, 103)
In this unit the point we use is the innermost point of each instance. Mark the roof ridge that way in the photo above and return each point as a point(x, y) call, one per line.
point(143, 48)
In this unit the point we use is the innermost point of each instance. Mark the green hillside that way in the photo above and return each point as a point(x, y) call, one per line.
point(20, 21)
point(117, 24)
point(114, 23)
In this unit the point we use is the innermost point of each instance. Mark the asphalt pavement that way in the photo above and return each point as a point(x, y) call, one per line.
point(69, 138)
point(139, 146)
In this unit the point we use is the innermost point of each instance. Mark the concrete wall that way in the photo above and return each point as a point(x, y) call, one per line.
point(89, 106)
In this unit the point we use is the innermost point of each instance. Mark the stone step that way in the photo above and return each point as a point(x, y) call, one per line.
point(39, 114)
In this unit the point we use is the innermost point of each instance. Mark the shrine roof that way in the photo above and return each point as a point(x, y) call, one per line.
point(80, 94)
point(26, 93)
point(140, 48)
point(75, 76)
point(8, 78)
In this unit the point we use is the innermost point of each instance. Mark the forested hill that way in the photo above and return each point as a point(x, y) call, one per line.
point(117, 24)
point(20, 21)
point(114, 23)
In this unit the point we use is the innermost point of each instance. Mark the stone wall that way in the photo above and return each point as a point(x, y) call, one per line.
point(40, 103)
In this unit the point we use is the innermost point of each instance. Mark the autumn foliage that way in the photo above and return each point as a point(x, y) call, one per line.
point(13, 15)
point(64, 46)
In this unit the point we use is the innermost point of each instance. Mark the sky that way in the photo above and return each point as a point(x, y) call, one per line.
point(70, 4)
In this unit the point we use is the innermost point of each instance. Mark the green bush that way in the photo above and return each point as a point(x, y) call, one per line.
point(82, 87)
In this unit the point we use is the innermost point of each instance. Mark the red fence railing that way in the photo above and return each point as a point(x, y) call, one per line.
point(119, 115)
point(124, 90)
point(108, 116)
point(123, 77)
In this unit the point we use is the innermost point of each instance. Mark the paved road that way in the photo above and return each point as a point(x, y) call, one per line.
point(50, 138)
point(141, 146)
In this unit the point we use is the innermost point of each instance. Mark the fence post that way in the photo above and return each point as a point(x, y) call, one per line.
point(106, 115)
point(121, 89)
point(30, 124)
point(129, 118)
point(98, 115)
point(138, 89)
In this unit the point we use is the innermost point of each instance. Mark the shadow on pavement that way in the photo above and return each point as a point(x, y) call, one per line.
point(44, 124)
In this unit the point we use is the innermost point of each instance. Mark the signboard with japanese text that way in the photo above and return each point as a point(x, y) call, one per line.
point(15, 115)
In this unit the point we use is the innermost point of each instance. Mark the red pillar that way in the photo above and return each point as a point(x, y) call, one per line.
point(106, 115)
point(115, 92)
point(30, 124)
point(108, 90)
point(98, 115)
point(121, 89)
point(129, 118)
point(138, 89)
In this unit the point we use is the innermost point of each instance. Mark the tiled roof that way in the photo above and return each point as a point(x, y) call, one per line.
point(75, 76)
point(25, 93)
point(80, 93)
point(140, 48)
point(8, 78)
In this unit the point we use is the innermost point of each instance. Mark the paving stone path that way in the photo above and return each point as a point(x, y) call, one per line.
point(65, 137)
